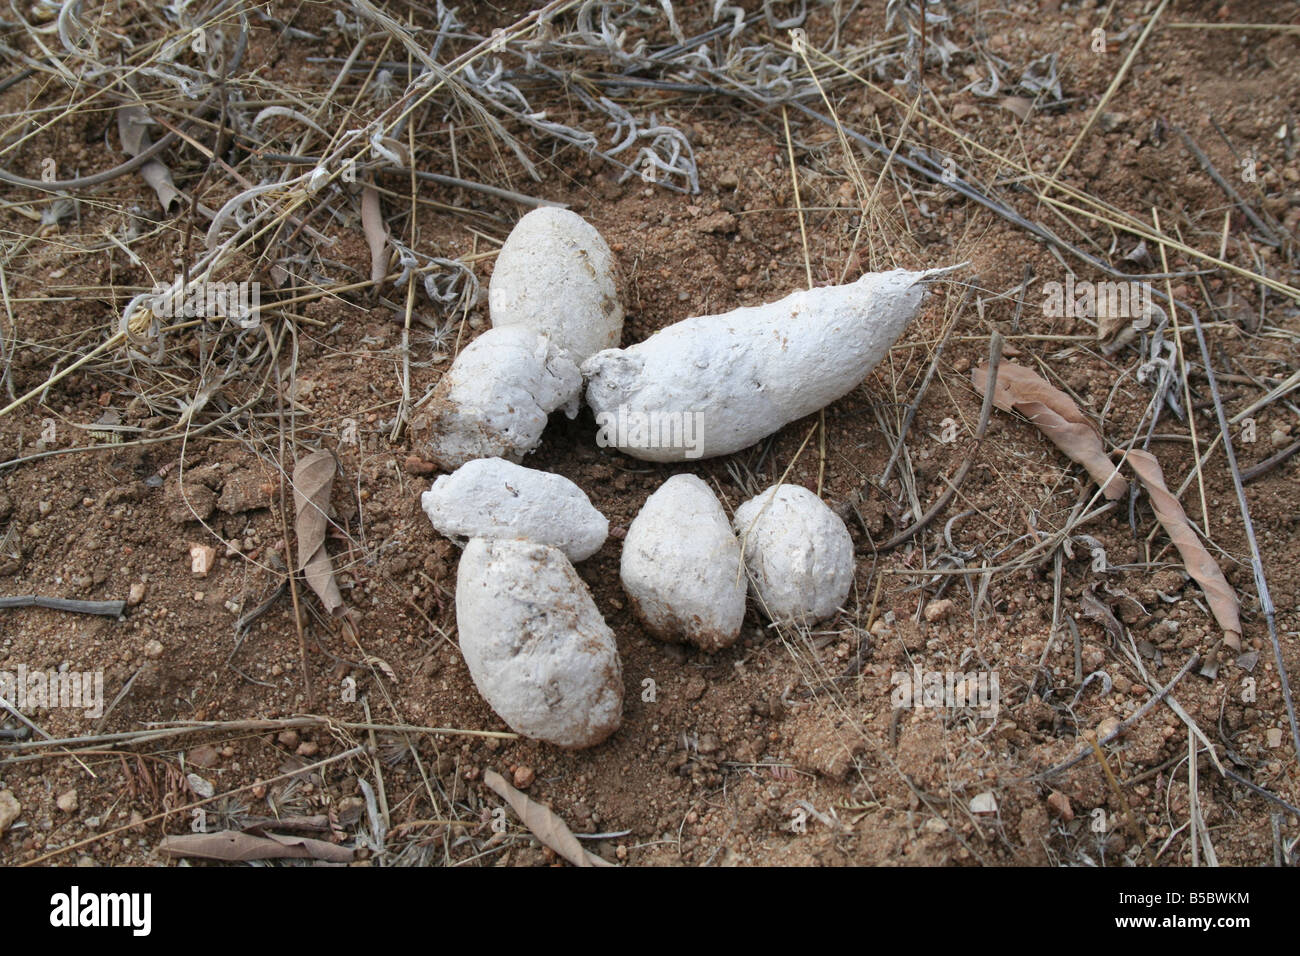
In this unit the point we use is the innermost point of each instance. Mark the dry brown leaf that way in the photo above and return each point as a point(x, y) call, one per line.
point(233, 846)
point(1019, 105)
point(1111, 324)
point(1200, 565)
point(133, 123)
point(372, 223)
point(313, 477)
point(159, 178)
point(1057, 416)
point(1097, 609)
point(543, 823)
point(384, 666)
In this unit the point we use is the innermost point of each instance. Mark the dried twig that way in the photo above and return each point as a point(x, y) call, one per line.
point(104, 608)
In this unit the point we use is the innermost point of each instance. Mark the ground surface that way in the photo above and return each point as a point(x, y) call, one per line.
point(784, 749)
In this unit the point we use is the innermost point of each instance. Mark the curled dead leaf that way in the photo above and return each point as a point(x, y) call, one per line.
point(1112, 322)
point(1097, 609)
point(133, 123)
point(234, 846)
point(384, 666)
point(1021, 106)
point(372, 223)
point(1057, 416)
point(313, 478)
point(543, 823)
point(1200, 565)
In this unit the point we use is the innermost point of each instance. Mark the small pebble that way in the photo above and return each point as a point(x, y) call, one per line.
point(524, 777)
point(205, 757)
point(1060, 805)
point(10, 808)
point(938, 610)
point(984, 802)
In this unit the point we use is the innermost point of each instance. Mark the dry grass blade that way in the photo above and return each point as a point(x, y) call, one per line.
point(1199, 564)
point(1057, 416)
point(544, 824)
point(233, 846)
point(313, 477)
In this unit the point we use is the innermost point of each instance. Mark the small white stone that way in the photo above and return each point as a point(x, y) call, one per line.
point(536, 645)
point(555, 275)
point(984, 802)
point(494, 498)
point(68, 801)
point(681, 566)
point(202, 788)
point(494, 400)
point(798, 554)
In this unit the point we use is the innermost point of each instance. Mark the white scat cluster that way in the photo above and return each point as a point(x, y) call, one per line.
point(535, 643)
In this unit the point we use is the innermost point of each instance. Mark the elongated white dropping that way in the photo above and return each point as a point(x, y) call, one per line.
point(798, 554)
point(681, 566)
point(536, 646)
point(555, 275)
point(730, 380)
point(494, 400)
point(494, 498)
